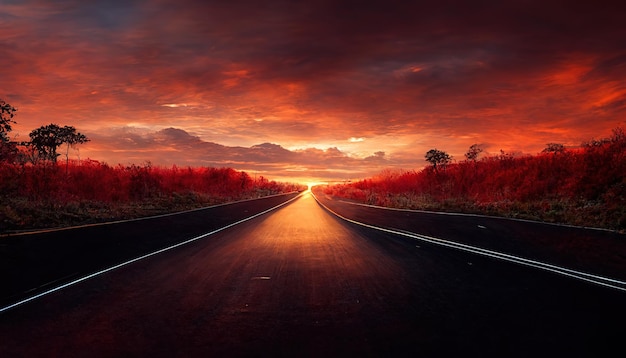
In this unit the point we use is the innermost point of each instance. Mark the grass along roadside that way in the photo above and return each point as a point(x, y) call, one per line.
point(592, 214)
point(22, 215)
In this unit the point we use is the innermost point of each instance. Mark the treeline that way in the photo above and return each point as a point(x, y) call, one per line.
point(37, 192)
point(581, 186)
point(43, 144)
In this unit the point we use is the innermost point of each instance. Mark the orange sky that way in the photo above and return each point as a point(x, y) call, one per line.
point(340, 89)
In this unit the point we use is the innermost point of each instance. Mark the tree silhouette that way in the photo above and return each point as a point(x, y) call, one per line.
point(554, 148)
point(473, 152)
point(438, 157)
point(46, 140)
point(8, 149)
point(7, 112)
point(71, 138)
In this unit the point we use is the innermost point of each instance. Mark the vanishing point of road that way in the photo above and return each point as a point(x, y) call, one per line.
point(299, 281)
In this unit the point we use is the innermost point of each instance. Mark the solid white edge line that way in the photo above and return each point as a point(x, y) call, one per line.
point(599, 280)
point(43, 231)
point(13, 305)
point(513, 257)
point(478, 216)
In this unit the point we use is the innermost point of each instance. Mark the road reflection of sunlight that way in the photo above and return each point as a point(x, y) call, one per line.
point(302, 221)
point(312, 184)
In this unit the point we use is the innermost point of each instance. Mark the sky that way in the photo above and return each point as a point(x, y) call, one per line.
point(313, 90)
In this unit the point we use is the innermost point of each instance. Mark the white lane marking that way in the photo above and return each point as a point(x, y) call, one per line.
point(476, 216)
point(599, 280)
point(140, 219)
point(261, 278)
point(143, 257)
point(481, 227)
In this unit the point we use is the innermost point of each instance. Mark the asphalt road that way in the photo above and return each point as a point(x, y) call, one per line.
point(594, 251)
point(300, 282)
point(32, 263)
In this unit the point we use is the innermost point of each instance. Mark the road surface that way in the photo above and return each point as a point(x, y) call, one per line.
point(595, 251)
point(32, 263)
point(300, 282)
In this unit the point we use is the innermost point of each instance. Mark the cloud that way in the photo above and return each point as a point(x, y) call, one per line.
point(174, 146)
point(445, 74)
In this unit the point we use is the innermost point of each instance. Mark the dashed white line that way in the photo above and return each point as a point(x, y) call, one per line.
point(475, 215)
point(596, 279)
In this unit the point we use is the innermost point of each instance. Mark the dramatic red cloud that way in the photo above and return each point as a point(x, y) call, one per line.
point(163, 80)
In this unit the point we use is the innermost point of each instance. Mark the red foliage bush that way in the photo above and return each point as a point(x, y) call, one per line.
point(92, 180)
point(593, 175)
point(58, 195)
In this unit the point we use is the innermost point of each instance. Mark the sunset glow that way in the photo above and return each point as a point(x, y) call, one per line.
point(313, 91)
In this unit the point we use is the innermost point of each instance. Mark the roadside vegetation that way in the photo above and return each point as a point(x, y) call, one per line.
point(583, 186)
point(45, 195)
point(36, 191)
